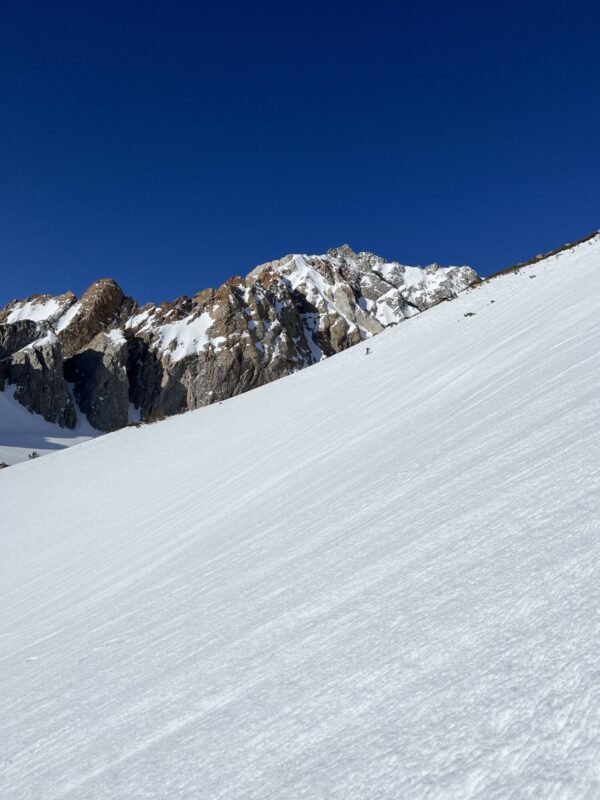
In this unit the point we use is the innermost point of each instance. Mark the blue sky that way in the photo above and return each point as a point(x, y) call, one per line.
point(170, 145)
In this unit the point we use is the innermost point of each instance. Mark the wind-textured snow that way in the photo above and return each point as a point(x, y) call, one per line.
point(377, 578)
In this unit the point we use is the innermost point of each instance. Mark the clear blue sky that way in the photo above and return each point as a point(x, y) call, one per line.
point(172, 144)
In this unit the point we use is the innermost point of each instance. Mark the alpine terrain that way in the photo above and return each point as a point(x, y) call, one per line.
point(374, 578)
point(96, 363)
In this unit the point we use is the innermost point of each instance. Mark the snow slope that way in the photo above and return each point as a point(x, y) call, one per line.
point(377, 578)
point(22, 432)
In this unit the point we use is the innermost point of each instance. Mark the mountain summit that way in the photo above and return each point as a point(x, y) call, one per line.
point(104, 356)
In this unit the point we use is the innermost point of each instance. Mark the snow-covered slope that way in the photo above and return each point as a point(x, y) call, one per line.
point(376, 578)
point(22, 432)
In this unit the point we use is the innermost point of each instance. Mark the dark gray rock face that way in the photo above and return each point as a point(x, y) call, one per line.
point(17, 335)
point(145, 375)
point(37, 373)
point(283, 316)
point(99, 375)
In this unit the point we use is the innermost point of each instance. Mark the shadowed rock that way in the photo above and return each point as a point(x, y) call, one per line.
point(99, 375)
point(37, 373)
point(17, 335)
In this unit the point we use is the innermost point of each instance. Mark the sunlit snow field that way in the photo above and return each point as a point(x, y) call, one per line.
point(377, 578)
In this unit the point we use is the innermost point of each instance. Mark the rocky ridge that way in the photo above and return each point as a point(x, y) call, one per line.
point(106, 357)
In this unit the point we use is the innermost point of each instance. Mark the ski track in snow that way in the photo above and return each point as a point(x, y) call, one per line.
point(377, 578)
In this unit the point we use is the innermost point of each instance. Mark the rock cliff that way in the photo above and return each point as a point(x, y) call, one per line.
point(106, 357)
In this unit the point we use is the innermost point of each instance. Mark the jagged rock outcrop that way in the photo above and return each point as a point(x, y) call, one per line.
point(100, 308)
point(16, 335)
point(37, 373)
point(284, 315)
point(99, 377)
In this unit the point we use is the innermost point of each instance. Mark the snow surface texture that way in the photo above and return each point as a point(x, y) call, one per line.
point(376, 578)
point(22, 432)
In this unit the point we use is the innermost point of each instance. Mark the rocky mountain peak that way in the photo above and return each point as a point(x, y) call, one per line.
point(100, 305)
point(343, 251)
point(114, 361)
